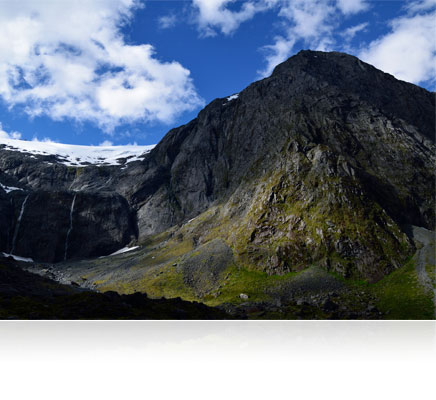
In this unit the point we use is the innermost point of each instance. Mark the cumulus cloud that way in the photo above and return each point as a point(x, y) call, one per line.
point(70, 60)
point(213, 15)
point(408, 51)
point(352, 6)
point(8, 135)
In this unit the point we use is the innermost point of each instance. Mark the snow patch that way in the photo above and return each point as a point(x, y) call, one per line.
point(77, 155)
point(233, 97)
point(8, 189)
point(124, 250)
point(17, 258)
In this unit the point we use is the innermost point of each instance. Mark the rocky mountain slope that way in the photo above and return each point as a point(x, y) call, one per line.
point(326, 163)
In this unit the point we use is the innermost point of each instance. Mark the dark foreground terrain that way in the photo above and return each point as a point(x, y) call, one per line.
point(24, 295)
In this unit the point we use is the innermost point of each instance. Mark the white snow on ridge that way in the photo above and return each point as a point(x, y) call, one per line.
point(8, 189)
point(76, 155)
point(233, 97)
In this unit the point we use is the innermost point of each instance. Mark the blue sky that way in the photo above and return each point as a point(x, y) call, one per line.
point(125, 71)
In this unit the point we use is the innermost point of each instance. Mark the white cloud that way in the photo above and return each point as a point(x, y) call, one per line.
point(408, 51)
point(69, 60)
point(10, 135)
point(349, 33)
point(277, 53)
point(352, 6)
point(421, 5)
point(213, 15)
point(308, 17)
point(310, 21)
point(167, 21)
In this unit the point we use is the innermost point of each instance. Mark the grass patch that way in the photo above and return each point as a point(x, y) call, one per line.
point(160, 282)
point(167, 283)
point(253, 283)
point(402, 297)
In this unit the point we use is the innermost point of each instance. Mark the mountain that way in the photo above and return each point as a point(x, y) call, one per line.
point(323, 167)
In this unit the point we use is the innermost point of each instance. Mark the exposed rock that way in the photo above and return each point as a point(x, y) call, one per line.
point(6, 214)
point(204, 267)
point(100, 224)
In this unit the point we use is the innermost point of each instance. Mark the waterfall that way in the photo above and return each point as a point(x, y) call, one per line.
point(71, 226)
point(17, 227)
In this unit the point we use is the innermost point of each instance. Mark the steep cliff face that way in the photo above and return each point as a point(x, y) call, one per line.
point(325, 162)
point(380, 127)
point(5, 220)
point(55, 226)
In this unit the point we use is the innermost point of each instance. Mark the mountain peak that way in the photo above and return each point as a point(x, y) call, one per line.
point(315, 58)
point(314, 71)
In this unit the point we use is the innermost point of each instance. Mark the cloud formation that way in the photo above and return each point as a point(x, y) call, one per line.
point(350, 32)
point(8, 135)
point(70, 60)
point(408, 51)
point(349, 7)
point(214, 15)
point(312, 21)
point(167, 21)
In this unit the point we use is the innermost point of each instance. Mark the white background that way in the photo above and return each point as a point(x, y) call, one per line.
point(217, 360)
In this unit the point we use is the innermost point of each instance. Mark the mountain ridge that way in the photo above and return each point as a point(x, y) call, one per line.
point(325, 135)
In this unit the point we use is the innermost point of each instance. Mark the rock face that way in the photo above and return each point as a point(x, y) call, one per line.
point(359, 119)
point(327, 161)
point(5, 220)
point(52, 229)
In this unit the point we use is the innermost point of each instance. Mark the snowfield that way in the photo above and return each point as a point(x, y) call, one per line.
point(77, 155)
point(233, 97)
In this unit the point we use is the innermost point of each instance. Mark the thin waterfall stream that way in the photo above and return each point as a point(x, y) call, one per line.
point(17, 227)
point(71, 226)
